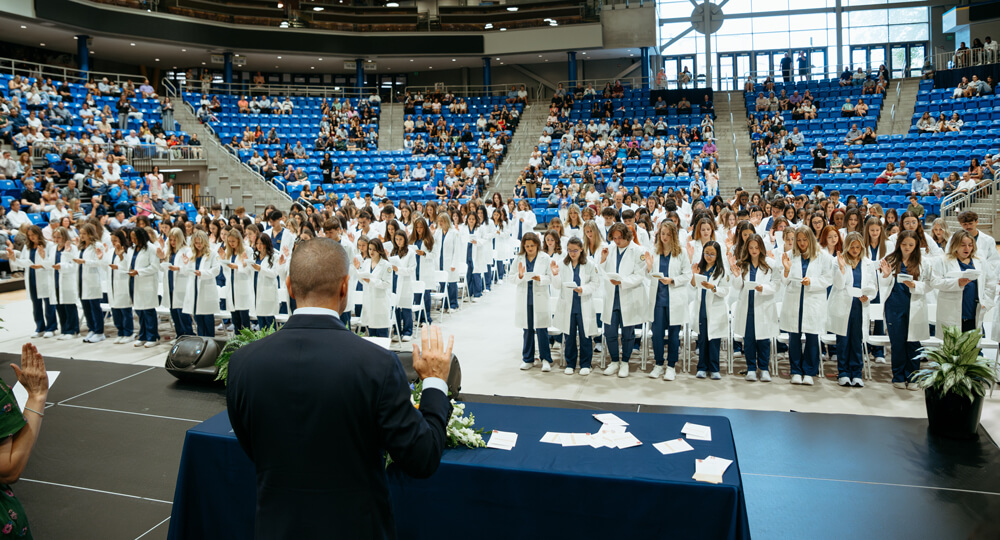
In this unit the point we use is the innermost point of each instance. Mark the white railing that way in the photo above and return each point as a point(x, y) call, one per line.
point(177, 153)
point(240, 88)
point(62, 73)
point(963, 59)
point(471, 90)
point(986, 190)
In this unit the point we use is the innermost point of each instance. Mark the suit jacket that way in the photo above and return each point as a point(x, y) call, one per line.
point(314, 406)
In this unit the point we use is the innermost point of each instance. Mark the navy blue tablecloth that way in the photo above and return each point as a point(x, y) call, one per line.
point(535, 490)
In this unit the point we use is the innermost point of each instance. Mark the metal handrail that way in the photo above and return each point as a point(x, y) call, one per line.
point(15, 66)
point(468, 90)
point(758, 75)
point(958, 200)
point(633, 82)
point(979, 56)
point(277, 90)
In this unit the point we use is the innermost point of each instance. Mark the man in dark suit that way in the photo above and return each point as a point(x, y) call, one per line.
point(315, 406)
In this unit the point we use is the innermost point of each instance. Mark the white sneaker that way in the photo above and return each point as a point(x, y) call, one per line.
point(138, 344)
point(65, 337)
point(97, 338)
point(47, 335)
point(765, 376)
point(568, 371)
point(585, 371)
point(611, 369)
point(151, 344)
point(37, 334)
point(525, 366)
point(752, 376)
point(89, 335)
point(844, 381)
point(912, 387)
point(701, 375)
point(879, 360)
point(715, 376)
point(546, 366)
point(670, 375)
point(656, 373)
point(128, 339)
point(807, 380)
point(598, 348)
point(796, 379)
point(407, 338)
point(899, 385)
point(622, 370)
point(857, 382)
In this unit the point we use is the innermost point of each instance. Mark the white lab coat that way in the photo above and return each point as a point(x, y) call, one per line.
point(716, 307)
point(820, 274)
point(986, 249)
point(564, 308)
point(203, 287)
point(843, 294)
point(239, 283)
point(406, 271)
point(540, 292)
point(146, 287)
point(932, 249)
point(949, 298)
point(765, 307)
point(453, 251)
point(919, 327)
point(479, 249)
point(428, 264)
point(43, 276)
point(118, 297)
point(266, 292)
point(679, 269)
point(525, 220)
point(68, 278)
point(377, 297)
point(631, 292)
point(92, 271)
point(175, 299)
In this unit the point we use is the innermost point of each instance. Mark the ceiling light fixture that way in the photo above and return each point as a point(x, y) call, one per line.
point(184, 50)
point(279, 58)
point(454, 60)
point(503, 29)
point(318, 8)
point(392, 4)
point(156, 59)
point(24, 27)
point(280, 5)
point(132, 44)
point(512, 8)
point(41, 44)
point(489, 26)
point(320, 59)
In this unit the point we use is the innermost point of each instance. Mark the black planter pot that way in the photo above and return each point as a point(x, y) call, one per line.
point(953, 416)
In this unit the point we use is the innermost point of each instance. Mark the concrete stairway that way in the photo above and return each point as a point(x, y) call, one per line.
point(897, 108)
point(529, 129)
point(390, 128)
point(230, 181)
point(735, 161)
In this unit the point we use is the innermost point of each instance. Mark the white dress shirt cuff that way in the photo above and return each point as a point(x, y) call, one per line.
point(434, 382)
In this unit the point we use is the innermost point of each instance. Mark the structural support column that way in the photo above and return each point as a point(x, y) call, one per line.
point(227, 69)
point(83, 53)
point(571, 68)
point(360, 74)
point(644, 67)
point(487, 76)
point(840, 39)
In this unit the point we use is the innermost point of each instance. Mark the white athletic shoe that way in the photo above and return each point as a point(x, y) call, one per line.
point(97, 338)
point(138, 344)
point(151, 344)
point(622, 370)
point(525, 366)
point(546, 366)
point(568, 371)
point(407, 338)
point(912, 386)
point(765, 376)
point(65, 337)
point(611, 369)
point(47, 335)
point(656, 373)
point(128, 339)
point(752, 376)
point(670, 374)
point(796, 379)
point(598, 348)
point(89, 335)
point(37, 334)
point(879, 360)
point(701, 375)
point(585, 371)
point(899, 385)
point(844, 381)
point(807, 380)
point(715, 376)
point(857, 382)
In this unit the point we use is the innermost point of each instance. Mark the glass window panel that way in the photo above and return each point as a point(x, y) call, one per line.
point(742, 27)
point(870, 34)
point(812, 21)
point(908, 32)
point(864, 2)
point(871, 17)
point(769, 24)
point(769, 5)
point(731, 43)
point(808, 38)
point(908, 15)
point(771, 41)
point(737, 6)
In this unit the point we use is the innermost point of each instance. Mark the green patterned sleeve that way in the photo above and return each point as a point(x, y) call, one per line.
point(11, 419)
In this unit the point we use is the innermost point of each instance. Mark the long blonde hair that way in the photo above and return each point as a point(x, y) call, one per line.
point(177, 235)
point(813, 250)
point(851, 238)
point(239, 250)
point(592, 246)
point(674, 249)
point(205, 250)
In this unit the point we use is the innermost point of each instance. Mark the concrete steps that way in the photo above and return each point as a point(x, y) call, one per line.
point(529, 128)
point(735, 161)
point(897, 108)
point(390, 131)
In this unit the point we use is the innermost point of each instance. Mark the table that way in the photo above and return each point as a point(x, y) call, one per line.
point(535, 490)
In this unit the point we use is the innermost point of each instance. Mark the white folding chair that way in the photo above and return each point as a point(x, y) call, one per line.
point(442, 296)
point(394, 325)
point(418, 305)
point(875, 313)
point(830, 340)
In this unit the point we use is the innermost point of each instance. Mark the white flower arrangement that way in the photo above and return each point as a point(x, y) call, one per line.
point(460, 430)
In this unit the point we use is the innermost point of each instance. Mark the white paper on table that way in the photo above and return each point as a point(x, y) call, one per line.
point(697, 432)
point(626, 440)
point(570, 284)
point(856, 292)
point(21, 393)
point(502, 440)
point(609, 418)
point(903, 277)
point(673, 447)
point(552, 438)
point(710, 469)
point(611, 429)
point(576, 439)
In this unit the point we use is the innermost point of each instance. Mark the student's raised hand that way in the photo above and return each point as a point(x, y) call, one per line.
point(786, 262)
point(520, 270)
point(841, 263)
point(554, 267)
point(649, 264)
point(604, 254)
point(886, 269)
point(690, 250)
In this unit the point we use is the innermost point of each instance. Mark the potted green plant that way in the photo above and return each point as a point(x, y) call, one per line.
point(240, 339)
point(954, 383)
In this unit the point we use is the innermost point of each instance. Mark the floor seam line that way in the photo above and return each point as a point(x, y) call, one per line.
point(94, 490)
point(106, 385)
point(871, 483)
point(131, 412)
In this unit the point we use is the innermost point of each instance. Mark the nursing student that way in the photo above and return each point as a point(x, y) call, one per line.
point(376, 274)
point(965, 288)
point(854, 285)
point(35, 258)
point(670, 271)
point(266, 273)
point(202, 298)
point(426, 256)
point(93, 258)
point(239, 282)
point(143, 269)
point(755, 278)
point(875, 250)
point(531, 306)
point(66, 283)
point(622, 272)
point(574, 316)
point(450, 257)
point(404, 267)
point(524, 219)
point(175, 282)
point(119, 299)
point(905, 306)
point(711, 286)
point(475, 256)
point(806, 275)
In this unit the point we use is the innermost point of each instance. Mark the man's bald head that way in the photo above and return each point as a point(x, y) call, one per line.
point(317, 275)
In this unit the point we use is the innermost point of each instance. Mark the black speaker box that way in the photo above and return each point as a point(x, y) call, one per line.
point(192, 358)
point(454, 375)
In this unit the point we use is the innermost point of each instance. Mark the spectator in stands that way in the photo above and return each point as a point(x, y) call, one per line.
point(920, 186)
point(854, 135)
point(962, 56)
point(859, 77)
point(684, 106)
point(836, 163)
point(915, 207)
point(786, 67)
point(31, 199)
point(869, 137)
point(926, 124)
point(861, 109)
point(146, 90)
point(887, 174)
point(961, 89)
point(989, 51)
point(847, 110)
point(761, 104)
point(287, 107)
point(243, 105)
point(955, 123)
point(707, 107)
point(967, 184)
point(845, 77)
point(808, 110)
point(684, 77)
point(819, 155)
